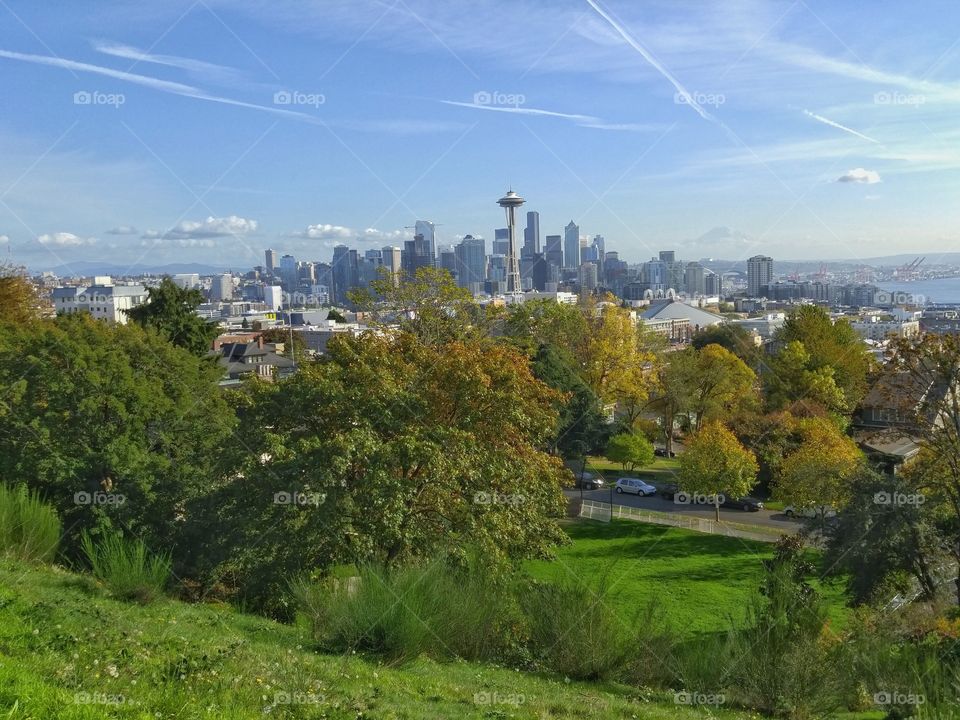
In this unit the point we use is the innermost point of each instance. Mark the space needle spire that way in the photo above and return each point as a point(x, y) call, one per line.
point(510, 202)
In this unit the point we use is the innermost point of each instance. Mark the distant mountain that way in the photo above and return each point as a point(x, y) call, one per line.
point(90, 268)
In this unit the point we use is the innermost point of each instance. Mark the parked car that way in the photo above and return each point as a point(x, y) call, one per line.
point(588, 481)
point(662, 452)
point(747, 504)
point(808, 512)
point(675, 494)
point(633, 485)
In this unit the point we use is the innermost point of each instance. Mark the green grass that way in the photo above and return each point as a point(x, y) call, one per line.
point(662, 470)
point(701, 583)
point(64, 644)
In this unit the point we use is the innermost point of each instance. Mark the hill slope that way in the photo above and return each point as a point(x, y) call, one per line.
point(67, 651)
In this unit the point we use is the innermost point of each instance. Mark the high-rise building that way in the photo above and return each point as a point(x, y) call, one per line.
point(510, 202)
point(448, 260)
point(553, 250)
point(273, 297)
point(571, 246)
point(668, 256)
point(429, 232)
point(344, 271)
point(471, 257)
point(588, 277)
point(288, 273)
point(271, 260)
point(759, 275)
point(188, 281)
point(221, 288)
point(531, 235)
point(713, 283)
point(392, 262)
point(501, 241)
point(415, 255)
point(600, 252)
point(695, 279)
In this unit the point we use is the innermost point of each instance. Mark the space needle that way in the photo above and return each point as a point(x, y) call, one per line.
point(510, 202)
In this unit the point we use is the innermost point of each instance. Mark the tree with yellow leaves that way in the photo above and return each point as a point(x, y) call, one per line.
point(820, 472)
point(716, 464)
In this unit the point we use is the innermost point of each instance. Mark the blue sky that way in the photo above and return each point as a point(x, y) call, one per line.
point(208, 130)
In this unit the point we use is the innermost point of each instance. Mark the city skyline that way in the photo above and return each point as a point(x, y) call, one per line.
point(208, 132)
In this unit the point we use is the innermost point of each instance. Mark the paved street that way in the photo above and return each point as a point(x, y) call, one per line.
point(766, 518)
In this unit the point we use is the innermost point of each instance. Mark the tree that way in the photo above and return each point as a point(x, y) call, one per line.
point(400, 449)
point(18, 296)
point(833, 345)
point(878, 544)
point(429, 305)
point(581, 425)
point(794, 382)
point(927, 397)
point(715, 464)
point(171, 311)
point(720, 383)
point(674, 390)
point(534, 324)
point(819, 472)
point(335, 315)
point(732, 337)
point(92, 408)
point(631, 450)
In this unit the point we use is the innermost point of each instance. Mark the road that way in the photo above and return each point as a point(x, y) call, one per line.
point(767, 518)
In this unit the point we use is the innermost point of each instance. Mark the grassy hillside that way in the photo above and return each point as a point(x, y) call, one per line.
point(67, 651)
point(700, 583)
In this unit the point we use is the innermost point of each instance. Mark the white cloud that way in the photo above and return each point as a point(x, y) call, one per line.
point(335, 234)
point(211, 227)
point(64, 239)
point(123, 230)
point(861, 176)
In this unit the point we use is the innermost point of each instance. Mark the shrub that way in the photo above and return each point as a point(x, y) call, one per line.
point(29, 529)
point(575, 632)
point(400, 613)
point(126, 567)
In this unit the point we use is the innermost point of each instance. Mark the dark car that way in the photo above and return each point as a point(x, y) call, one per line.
point(669, 491)
point(747, 504)
point(662, 452)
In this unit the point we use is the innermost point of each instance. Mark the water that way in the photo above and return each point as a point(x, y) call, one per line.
point(942, 290)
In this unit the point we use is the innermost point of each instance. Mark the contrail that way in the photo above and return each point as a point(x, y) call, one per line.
point(687, 97)
point(831, 123)
point(522, 110)
point(166, 86)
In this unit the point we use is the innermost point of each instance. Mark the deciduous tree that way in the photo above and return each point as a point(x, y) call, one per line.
point(632, 450)
point(716, 464)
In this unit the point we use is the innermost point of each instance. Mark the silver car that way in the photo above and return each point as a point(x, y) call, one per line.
point(633, 485)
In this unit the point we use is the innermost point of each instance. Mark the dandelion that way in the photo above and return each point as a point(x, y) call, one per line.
point(112, 671)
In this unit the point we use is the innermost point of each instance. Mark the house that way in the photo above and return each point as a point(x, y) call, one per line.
point(103, 300)
point(891, 416)
point(244, 359)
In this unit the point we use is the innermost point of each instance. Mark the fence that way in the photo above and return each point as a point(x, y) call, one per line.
point(602, 511)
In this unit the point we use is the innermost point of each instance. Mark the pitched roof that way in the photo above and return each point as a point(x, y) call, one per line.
point(674, 310)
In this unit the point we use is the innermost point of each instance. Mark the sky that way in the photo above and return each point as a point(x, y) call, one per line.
point(207, 130)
